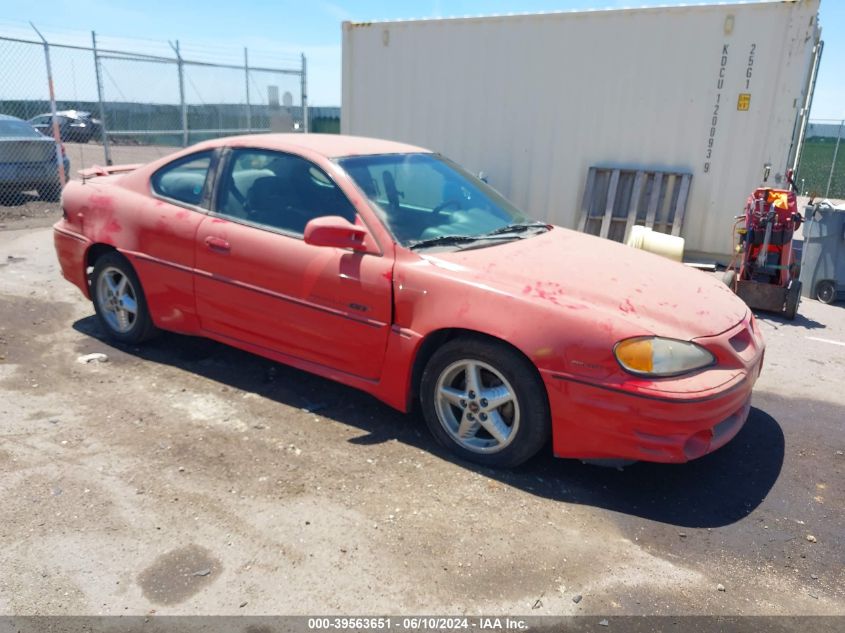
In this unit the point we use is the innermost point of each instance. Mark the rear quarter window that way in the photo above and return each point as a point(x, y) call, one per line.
point(184, 179)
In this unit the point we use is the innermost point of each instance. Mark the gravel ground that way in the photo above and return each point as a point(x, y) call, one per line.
point(185, 477)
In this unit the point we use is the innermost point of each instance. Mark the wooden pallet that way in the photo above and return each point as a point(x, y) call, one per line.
point(617, 199)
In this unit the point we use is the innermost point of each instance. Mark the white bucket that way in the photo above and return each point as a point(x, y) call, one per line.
point(645, 239)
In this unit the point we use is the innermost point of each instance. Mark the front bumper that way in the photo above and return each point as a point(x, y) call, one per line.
point(661, 424)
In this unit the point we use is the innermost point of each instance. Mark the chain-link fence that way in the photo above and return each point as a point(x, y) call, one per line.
point(821, 170)
point(65, 106)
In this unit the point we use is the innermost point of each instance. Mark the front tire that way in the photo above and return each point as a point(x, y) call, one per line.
point(485, 402)
point(119, 300)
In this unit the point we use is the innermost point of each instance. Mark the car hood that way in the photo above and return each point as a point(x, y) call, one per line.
point(569, 269)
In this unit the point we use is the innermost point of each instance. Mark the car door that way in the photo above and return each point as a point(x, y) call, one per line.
point(259, 282)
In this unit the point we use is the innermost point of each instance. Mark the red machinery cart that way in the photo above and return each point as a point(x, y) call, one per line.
point(763, 271)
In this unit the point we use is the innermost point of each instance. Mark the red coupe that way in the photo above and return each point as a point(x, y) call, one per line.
point(391, 269)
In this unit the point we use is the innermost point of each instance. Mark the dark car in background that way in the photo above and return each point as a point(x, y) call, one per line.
point(28, 160)
point(75, 126)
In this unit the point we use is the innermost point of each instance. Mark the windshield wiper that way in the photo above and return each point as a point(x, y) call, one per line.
point(449, 240)
point(507, 232)
point(517, 228)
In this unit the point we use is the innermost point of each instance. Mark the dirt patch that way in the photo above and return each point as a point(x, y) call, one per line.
point(28, 327)
point(178, 574)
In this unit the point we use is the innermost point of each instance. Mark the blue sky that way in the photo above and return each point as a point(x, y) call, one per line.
point(277, 30)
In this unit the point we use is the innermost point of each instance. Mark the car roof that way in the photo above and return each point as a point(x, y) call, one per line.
point(328, 145)
point(9, 117)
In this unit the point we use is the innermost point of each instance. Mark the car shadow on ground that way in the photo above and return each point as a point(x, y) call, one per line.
point(778, 321)
point(716, 490)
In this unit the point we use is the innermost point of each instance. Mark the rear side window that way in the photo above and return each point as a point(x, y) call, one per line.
point(183, 180)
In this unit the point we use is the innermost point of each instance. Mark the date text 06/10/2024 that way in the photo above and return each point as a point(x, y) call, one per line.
point(419, 623)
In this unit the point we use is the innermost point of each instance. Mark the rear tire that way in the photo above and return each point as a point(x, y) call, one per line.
point(119, 300)
point(485, 402)
point(826, 292)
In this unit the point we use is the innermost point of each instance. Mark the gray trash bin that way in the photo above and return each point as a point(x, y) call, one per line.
point(823, 253)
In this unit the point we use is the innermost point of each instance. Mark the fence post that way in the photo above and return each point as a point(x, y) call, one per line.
point(104, 131)
point(833, 162)
point(246, 79)
point(184, 107)
point(303, 95)
point(56, 136)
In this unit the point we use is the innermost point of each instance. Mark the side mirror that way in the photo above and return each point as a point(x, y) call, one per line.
point(333, 230)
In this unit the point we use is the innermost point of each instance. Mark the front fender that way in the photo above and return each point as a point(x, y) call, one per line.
point(557, 333)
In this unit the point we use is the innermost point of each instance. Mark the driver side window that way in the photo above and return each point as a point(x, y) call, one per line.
point(278, 191)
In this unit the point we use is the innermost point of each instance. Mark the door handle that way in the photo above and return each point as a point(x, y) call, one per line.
point(217, 243)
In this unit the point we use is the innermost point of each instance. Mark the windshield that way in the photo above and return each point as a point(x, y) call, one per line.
point(17, 129)
point(425, 198)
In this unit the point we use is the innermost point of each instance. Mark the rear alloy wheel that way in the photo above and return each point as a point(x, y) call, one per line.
point(485, 402)
point(826, 292)
point(119, 300)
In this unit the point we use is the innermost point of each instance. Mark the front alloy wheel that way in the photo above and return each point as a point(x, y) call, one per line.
point(477, 406)
point(485, 401)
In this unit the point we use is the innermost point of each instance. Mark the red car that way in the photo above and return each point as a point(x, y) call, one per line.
point(389, 268)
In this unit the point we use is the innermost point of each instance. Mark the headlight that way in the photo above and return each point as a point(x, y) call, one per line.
point(654, 356)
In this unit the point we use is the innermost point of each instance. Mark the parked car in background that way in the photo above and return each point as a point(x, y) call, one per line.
point(75, 126)
point(28, 160)
point(391, 269)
